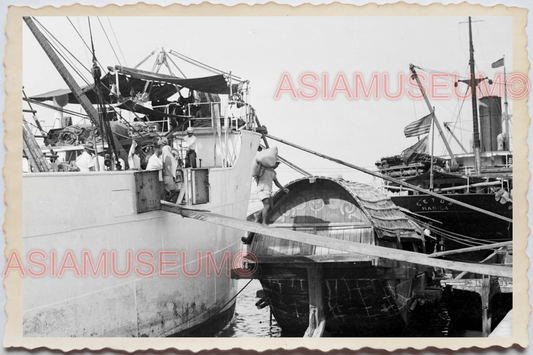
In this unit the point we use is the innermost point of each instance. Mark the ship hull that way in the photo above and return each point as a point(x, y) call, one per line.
point(461, 220)
point(76, 220)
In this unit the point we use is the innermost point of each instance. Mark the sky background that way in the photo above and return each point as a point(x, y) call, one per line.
point(261, 49)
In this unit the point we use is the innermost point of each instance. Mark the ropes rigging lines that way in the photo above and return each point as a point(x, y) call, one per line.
point(116, 40)
point(106, 36)
point(62, 54)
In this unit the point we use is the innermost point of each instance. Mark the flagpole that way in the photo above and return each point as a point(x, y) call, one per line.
point(432, 148)
point(506, 118)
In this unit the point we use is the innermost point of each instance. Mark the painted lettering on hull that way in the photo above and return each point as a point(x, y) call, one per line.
point(433, 204)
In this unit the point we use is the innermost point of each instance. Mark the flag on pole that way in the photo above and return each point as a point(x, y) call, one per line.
point(419, 127)
point(498, 63)
point(412, 152)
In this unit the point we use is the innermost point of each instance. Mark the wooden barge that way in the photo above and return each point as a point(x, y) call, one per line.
point(319, 289)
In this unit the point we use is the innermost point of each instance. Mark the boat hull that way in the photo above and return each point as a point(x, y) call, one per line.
point(113, 272)
point(353, 294)
point(354, 306)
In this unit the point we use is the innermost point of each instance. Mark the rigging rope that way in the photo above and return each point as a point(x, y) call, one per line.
point(242, 289)
point(61, 54)
point(119, 100)
point(202, 65)
point(52, 107)
point(431, 71)
point(464, 237)
point(86, 45)
point(116, 40)
point(105, 125)
point(457, 117)
point(108, 40)
point(176, 66)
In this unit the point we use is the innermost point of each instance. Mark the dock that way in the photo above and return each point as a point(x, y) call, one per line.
point(505, 328)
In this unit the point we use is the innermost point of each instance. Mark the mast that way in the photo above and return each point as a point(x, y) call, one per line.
point(69, 80)
point(473, 86)
point(437, 124)
point(431, 174)
point(473, 83)
point(507, 136)
point(67, 77)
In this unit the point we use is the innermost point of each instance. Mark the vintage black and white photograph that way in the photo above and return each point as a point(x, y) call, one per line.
point(270, 176)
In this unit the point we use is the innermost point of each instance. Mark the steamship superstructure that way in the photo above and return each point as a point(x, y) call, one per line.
point(481, 176)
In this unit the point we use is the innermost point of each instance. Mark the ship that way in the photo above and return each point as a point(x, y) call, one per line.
point(470, 209)
point(115, 264)
point(318, 291)
point(480, 178)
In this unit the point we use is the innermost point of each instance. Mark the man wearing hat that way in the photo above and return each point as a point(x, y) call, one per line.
point(189, 142)
point(85, 161)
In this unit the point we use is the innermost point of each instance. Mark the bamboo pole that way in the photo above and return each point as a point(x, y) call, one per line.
point(470, 249)
point(337, 244)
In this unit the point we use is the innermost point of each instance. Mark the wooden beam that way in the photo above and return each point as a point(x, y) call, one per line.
point(317, 319)
point(291, 225)
point(313, 259)
point(475, 285)
point(351, 272)
point(337, 244)
point(470, 249)
point(486, 312)
point(486, 287)
point(496, 252)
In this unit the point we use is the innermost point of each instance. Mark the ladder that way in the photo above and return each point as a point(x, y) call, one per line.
point(32, 150)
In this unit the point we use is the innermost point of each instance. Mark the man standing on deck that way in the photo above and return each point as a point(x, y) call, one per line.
point(189, 142)
point(169, 171)
point(134, 159)
point(266, 177)
point(85, 160)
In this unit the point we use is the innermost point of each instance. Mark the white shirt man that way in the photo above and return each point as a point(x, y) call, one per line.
point(134, 161)
point(189, 142)
point(155, 163)
point(85, 162)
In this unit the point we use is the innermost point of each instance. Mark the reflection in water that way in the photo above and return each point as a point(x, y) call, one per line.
point(248, 320)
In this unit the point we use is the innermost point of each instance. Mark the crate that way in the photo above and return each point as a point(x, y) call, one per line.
point(147, 191)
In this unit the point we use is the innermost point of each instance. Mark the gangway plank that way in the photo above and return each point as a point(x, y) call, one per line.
point(337, 244)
